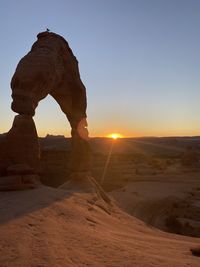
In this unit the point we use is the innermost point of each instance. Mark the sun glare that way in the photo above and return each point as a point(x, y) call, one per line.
point(115, 136)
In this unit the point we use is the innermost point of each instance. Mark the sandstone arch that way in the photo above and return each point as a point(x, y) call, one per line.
point(49, 68)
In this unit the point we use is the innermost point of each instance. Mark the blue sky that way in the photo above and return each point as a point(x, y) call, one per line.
point(139, 61)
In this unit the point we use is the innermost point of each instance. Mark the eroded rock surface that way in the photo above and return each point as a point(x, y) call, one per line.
point(22, 142)
point(49, 68)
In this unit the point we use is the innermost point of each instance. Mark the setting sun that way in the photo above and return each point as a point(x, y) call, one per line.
point(115, 136)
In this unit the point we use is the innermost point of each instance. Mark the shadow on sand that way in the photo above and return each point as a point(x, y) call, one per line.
point(15, 204)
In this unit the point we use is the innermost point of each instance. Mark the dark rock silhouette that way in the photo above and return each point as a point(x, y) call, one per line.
point(22, 141)
point(49, 68)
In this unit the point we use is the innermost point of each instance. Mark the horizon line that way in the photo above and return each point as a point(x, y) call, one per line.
point(126, 137)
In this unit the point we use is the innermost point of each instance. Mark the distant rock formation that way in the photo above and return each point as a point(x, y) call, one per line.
point(49, 68)
point(49, 136)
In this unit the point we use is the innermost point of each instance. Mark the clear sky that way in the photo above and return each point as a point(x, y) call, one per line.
point(139, 60)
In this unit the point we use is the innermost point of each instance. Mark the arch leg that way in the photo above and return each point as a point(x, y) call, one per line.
point(80, 160)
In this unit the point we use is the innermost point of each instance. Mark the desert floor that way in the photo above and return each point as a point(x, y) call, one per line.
point(153, 219)
point(54, 227)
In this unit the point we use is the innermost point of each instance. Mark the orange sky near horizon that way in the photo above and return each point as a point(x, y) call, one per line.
point(53, 121)
point(125, 133)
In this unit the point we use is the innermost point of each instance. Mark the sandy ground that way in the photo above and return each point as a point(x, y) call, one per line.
point(52, 227)
point(153, 198)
